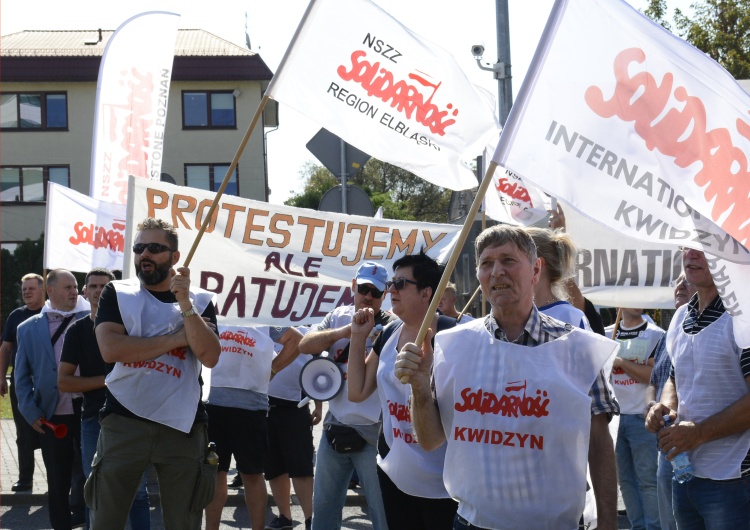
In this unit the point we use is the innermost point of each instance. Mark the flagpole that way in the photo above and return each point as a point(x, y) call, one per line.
point(257, 116)
point(466, 308)
point(232, 167)
point(451, 264)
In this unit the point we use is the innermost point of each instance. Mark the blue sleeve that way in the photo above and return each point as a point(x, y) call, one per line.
point(23, 379)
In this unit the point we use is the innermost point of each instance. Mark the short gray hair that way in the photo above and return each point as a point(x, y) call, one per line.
point(498, 235)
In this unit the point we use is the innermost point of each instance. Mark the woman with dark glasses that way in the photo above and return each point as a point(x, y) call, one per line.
point(411, 479)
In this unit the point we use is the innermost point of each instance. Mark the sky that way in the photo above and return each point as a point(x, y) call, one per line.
point(454, 26)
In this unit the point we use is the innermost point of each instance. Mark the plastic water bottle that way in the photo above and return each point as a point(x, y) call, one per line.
point(211, 457)
point(683, 469)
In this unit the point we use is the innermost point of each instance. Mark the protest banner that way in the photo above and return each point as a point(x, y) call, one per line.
point(277, 265)
point(640, 131)
point(82, 233)
point(614, 270)
point(365, 77)
point(131, 104)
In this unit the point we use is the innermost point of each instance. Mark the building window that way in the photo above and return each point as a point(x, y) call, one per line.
point(30, 111)
point(29, 183)
point(208, 110)
point(210, 176)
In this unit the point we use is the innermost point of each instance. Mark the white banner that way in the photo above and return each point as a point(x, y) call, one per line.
point(82, 233)
point(619, 271)
point(365, 77)
point(277, 265)
point(131, 104)
point(638, 130)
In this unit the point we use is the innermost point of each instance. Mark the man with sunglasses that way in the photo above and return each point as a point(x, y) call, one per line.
point(334, 464)
point(151, 333)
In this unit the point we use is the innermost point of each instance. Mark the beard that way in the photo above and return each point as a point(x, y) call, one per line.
point(155, 276)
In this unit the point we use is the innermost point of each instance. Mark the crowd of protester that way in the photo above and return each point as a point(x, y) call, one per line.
point(493, 421)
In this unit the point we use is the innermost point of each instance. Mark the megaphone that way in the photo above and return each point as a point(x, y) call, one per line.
point(60, 431)
point(321, 379)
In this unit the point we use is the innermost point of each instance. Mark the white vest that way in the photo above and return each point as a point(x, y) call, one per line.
point(345, 411)
point(517, 420)
point(709, 379)
point(245, 361)
point(566, 312)
point(164, 389)
point(629, 391)
point(412, 469)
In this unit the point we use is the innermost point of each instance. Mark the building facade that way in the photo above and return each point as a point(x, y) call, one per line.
point(47, 111)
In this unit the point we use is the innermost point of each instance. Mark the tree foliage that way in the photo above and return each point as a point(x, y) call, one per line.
point(657, 11)
point(402, 195)
point(719, 28)
point(26, 258)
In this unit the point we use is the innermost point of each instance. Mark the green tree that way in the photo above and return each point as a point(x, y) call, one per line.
point(27, 257)
point(402, 195)
point(719, 28)
point(657, 11)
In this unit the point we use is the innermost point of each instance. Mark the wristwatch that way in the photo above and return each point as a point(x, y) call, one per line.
point(190, 312)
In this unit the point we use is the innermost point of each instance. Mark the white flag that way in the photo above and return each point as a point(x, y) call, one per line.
point(81, 232)
point(640, 131)
point(131, 104)
point(362, 75)
point(512, 199)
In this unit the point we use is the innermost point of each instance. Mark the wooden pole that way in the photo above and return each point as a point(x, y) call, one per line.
point(466, 308)
point(454, 257)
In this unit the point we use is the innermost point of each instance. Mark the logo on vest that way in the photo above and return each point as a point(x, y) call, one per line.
point(241, 338)
point(493, 437)
point(157, 366)
point(508, 404)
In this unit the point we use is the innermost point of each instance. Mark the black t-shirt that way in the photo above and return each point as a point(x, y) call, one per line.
point(593, 316)
point(15, 319)
point(81, 349)
point(109, 311)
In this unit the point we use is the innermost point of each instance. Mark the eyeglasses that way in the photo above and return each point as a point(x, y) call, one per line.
point(153, 248)
point(366, 288)
point(398, 284)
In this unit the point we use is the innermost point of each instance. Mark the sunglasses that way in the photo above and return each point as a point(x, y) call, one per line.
point(153, 248)
point(398, 284)
point(366, 288)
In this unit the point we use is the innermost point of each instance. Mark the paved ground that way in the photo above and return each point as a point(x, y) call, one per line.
point(9, 472)
point(27, 510)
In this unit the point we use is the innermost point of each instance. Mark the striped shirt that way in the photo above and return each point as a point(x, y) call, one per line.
point(662, 367)
point(541, 328)
point(694, 322)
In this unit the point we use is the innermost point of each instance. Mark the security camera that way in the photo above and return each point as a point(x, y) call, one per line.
point(477, 50)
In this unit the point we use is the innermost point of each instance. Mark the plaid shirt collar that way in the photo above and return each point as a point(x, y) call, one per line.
point(530, 330)
point(539, 329)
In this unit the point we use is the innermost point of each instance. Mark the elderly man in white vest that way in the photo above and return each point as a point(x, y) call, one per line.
point(522, 400)
point(151, 332)
point(708, 402)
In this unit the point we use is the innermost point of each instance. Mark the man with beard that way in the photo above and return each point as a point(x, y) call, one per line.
point(27, 439)
point(152, 332)
point(40, 341)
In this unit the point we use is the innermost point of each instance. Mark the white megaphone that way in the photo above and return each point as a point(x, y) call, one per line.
point(321, 379)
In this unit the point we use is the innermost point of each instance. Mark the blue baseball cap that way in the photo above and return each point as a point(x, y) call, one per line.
point(374, 273)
